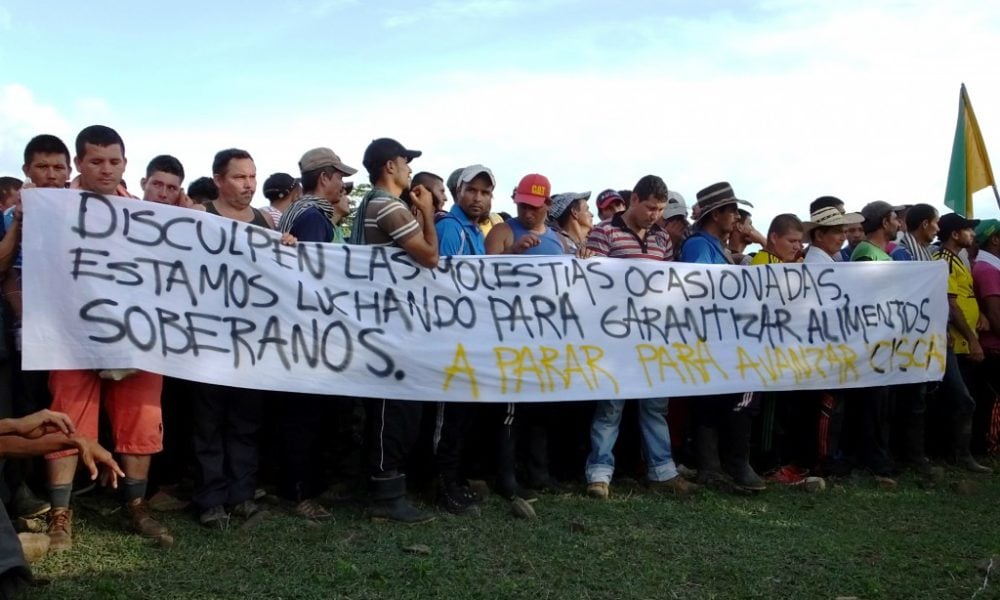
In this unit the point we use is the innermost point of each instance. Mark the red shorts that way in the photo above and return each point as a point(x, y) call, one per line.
point(132, 405)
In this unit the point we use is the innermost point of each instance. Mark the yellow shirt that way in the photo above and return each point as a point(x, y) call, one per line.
point(960, 286)
point(765, 258)
point(487, 224)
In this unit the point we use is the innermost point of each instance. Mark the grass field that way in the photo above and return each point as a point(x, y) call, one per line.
point(851, 540)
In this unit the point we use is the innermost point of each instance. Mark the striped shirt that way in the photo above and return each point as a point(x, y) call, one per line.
point(613, 238)
point(388, 221)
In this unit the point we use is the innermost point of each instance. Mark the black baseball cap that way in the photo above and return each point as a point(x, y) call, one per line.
point(953, 222)
point(279, 185)
point(383, 150)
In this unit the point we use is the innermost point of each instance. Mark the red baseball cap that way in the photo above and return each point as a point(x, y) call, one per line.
point(534, 190)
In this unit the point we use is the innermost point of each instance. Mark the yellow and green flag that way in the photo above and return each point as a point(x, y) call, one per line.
point(970, 169)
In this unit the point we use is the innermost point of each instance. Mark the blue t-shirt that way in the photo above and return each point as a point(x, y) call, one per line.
point(312, 226)
point(704, 249)
point(8, 220)
point(457, 236)
point(549, 244)
point(900, 253)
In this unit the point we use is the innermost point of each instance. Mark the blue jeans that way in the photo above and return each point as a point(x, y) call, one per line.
point(655, 439)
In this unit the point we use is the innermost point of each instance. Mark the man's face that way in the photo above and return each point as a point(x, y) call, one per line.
point(965, 238)
point(164, 188)
point(927, 231)
point(787, 246)
point(47, 170)
point(891, 224)
point(101, 168)
point(854, 234)
point(675, 227)
point(644, 213)
point(333, 185)
point(532, 216)
point(438, 193)
point(401, 172)
point(830, 239)
point(609, 210)
point(725, 218)
point(238, 183)
point(475, 197)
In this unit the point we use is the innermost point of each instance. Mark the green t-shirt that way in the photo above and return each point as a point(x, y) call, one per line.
point(868, 251)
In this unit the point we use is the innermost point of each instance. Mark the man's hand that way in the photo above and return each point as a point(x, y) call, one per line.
point(584, 252)
point(976, 351)
point(93, 455)
point(287, 239)
point(36, 424)
point(527, 241)
point(183, 200)
point(422, 199)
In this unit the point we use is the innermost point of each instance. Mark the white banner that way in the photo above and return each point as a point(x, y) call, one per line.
point(116, 283)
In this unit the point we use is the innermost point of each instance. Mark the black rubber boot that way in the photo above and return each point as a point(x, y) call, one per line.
point(738, 457)
point(506, 484)
point(389, 501)
point(963, 437)
point(456, 497)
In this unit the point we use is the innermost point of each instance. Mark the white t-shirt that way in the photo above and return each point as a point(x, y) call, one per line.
point(816, 255)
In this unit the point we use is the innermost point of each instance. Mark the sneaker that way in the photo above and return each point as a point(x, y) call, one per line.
point(599, 490)
point(457, 499)
point(60, 529)
point(214, 518)
point(251, 512)
point(141, 520)
point(787, 475)
point(312, 510)
point(678, 486)
point(26, 505)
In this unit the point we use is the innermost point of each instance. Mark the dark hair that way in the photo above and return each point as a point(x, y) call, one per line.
point(625, 194)
point(825, 202)
point(8, 185)
point(568, 213)
point(166, 164)
point(203, 189)
point(650, 185)
point(97, 135)
point(425, 179)
point(919, 213)
point(223, 157)
point(45, 144)
point(784, 223)
point(310, 179)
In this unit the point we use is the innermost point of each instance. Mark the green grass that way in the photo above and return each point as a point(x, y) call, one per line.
point(850, 540)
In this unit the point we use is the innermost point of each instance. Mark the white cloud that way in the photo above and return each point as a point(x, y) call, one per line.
point(21, 118)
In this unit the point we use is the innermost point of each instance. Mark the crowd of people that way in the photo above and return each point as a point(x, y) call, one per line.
point(213, 448)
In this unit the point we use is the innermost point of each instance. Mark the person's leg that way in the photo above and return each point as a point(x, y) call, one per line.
point(603, 435)
point(78, 394)
point(452, 424)
point(964, 409)
point(208, 430)
point(243, 413)
point(655, 435)
point(133, 408)
point(393, 426)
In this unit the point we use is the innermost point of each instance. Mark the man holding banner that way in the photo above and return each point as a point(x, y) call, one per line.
point(132, 402)
point(384, 220)
point(718, 212)
point(634, 234)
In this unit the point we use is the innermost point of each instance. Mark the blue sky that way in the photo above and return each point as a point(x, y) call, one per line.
point(786, 100)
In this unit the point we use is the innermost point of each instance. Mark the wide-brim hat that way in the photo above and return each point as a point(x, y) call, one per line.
point(716, 196)
point(829, 216)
